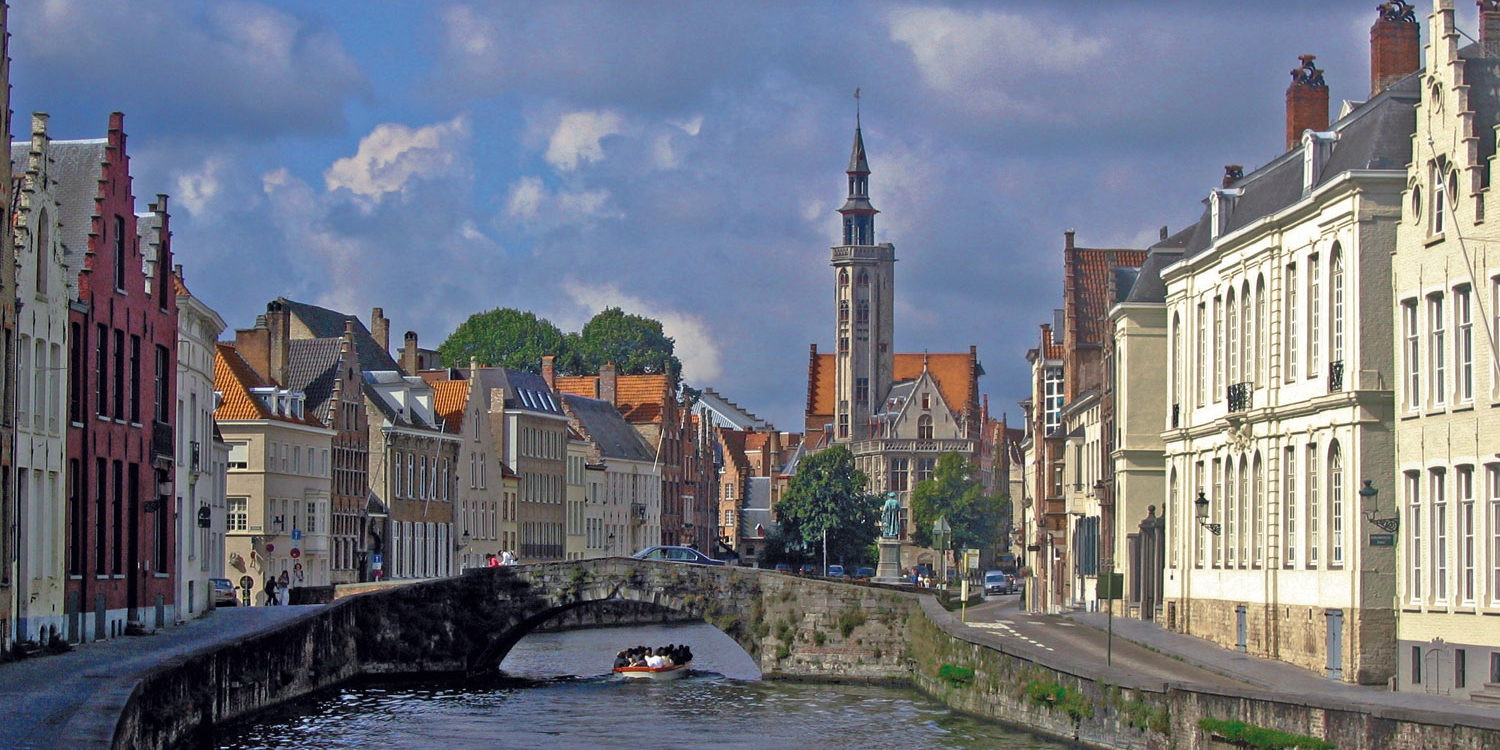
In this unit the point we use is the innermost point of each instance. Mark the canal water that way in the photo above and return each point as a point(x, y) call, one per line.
point(555, 691)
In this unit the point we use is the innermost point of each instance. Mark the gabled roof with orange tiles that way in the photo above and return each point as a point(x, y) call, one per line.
point(955, 375)
point(1090, 270)
point(234, 378)
point(449, 399)
point(640, 398)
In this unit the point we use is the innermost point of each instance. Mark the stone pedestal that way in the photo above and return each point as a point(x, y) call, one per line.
point(889, 569)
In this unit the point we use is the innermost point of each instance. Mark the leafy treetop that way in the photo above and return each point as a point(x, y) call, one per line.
point(828, 494)
point(954, 491)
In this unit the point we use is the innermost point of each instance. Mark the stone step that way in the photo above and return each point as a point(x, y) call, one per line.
point(1489, 695)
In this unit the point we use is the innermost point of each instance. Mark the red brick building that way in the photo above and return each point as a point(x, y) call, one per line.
point(122, 365)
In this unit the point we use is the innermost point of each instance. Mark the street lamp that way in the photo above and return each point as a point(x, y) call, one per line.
point(1384, 524)
point(1201, 506)
point(942, 536)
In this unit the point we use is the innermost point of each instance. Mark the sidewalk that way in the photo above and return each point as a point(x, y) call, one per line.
point(1274, 675)
point(73, 700)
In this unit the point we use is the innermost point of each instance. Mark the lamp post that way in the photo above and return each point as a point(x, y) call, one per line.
point(1388, 525)
point(1201, 507)
point(942, 536)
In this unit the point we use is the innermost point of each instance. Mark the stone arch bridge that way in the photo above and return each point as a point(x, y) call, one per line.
point(791, 626)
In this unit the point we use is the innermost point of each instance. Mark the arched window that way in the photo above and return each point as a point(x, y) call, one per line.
point(924, 427)
point(1174, 363)
point(1243, 539)
point(1248, 331)
point(1260, 325)
point(843, 312)
point(43, 251)
point(1232, 333)
point(862, 311)
point(1257, 526)
point(843, 278)
point(1335, 504)
point(1167, 512)
point(1229, 513)
point(1336, 295)
point(864, 277)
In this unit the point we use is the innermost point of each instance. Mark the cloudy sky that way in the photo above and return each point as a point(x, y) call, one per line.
point(682, 160)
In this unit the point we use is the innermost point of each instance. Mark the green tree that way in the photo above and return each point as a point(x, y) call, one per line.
point(635, 344)
point(828, 494)
point(954, 491)
point(504, 337)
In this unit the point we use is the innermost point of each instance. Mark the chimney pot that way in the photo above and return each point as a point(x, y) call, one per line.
point(1068, 240)
point(1306, 101)
point(1232, 173)
point(1395, 45)
point(607, 383)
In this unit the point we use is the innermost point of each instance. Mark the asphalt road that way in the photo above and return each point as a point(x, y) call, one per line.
point(1002, 618)
point(69, 700)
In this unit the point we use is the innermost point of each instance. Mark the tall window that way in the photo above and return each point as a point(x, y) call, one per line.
point(1172, 507)
point(1411, 355)
point(1289, 505)
point(1200, 353)
point(1218, 363)
point(119, 253)
point(135, 379)
point(1290, 347)
point(1439, 197)
point(924, 469)
point(1174, 362)
point(1217, 500)
point(1314, 521)
point(1231, 513)
point(101, 371)
point(1463, 343)
point(862, 391)
point(43, 251)
point(1247, 336)
point(843, 312)
point(862, 311)
point(1257, 525)
point(1439, 536)
point(119, 365)
point(239, 514)
point(899, 468)
point(1493, 475)
point(1201, 535)
point(1413, 526)
point(1335, 505)
point(924, 427)
point(1336, 292)
point(1466, 550)
point(1260, 326)
point(1245, 503)
point(1436, 351)
point(1232, 326)
point(1314, 316)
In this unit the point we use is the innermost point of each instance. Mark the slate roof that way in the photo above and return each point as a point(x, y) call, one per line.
point(325, 323)
point(524, 391)
point(603, 426)
point(1375, 135)
point(77, 167)
point(234, 377)
point(955, 375)
point(727, 413)
point(374, 395)
point(312, 366)
point(1148, 286)
point(640, 398)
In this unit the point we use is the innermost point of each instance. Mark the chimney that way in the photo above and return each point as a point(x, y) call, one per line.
point(1232, 174)
point(380, 329)
point(1163, 233)
point(254, 346)
point(278, 322)
point(409, 359)
point(1068, 240)
point(1306, 101)
point(1489, 27)
point(473, 367)
point(549, 370)
point(1395, 46)
point(607, 383)
point(774, 443)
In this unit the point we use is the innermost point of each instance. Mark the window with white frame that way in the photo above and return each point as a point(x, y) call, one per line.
point(1232, 329)
point(1201, 536)
point(1314, 316)
point(1258, 535)
point(1260, 327)
point(1218, 363)
point(1492, 474)
point(1439, 491)
point(1336, 292)
point(1411, 355)
point(1217, 502)
point(1436, 351)
point(1335, 505)
point(1439, 197)
point(1290, 345)
point(1230, 504)
point(1246, 336)
point(1314, 522)
point(1413, 525)
point(1201, 353)
point(1242, 510)
point(239, 513)
point(1463, 343)
point(1464, 486)
point(1172, 507)
point(1289, 504)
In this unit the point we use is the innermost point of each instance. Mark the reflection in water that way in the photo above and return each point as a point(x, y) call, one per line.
point(555, 691)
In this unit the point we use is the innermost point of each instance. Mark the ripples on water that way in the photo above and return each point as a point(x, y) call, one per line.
point(555, 692)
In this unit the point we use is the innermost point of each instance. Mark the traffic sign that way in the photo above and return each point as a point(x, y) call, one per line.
point(296, 552)
point(247, 583)
point(296, 535)
point(270, 547)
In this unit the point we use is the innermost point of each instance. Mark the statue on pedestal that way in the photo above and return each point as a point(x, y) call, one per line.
point(890, 517)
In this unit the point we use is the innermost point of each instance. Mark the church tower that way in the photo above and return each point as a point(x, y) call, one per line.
point(864, 289)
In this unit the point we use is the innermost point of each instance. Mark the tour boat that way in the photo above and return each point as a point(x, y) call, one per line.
point(669, 672)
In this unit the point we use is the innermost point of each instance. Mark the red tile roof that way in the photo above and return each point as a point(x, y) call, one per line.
point(640, 398)
point(234, 377)
point(449, 397)
point(1086, 280)
point(956, 376)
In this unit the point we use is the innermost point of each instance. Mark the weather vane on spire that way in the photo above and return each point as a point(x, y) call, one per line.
point(856, 106)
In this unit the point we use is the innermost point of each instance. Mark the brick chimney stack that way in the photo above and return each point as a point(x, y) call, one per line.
point(549, 371)
point(410, 362)
point(380, 329)
point(1232, 174)
point(607, 383)
point(1306, 101)
point(1395, 44)
point(1489, 28)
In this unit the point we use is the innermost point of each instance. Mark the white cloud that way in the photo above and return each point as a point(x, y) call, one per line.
point(695, 344)
point(691, 126)
point(392, 154)
point(467, 32)
point(975, 54)
point(537, 208)
point(577, 137)
point(195, 190)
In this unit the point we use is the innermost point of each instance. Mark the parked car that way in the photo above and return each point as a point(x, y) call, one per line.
point(224, 593)
point(835, 571)
point(808, 569)
point(676, 554)
point(783, 568)
point(998, 582)
point(864, 573)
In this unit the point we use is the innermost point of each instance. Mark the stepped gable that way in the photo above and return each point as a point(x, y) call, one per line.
point(77, 167)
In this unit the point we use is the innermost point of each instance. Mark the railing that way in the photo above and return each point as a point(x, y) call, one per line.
point(1239, 396)
point(912, 446)
point(1336, 375)
point(862, 252)
point(1176, 416)
point(162, 440)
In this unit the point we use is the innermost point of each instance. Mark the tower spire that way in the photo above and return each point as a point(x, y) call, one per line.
point(859, 215)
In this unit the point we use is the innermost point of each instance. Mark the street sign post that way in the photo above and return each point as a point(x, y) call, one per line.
point(296, 535)
point(1110, 587)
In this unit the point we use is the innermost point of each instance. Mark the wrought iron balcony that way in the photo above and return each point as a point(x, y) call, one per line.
point(162, 440)
point(1239, 396)
point(1336, 376)
point(1176, 416)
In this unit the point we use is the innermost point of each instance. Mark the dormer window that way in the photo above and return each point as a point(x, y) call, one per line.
point(1221, 208)
point(1315, 150)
